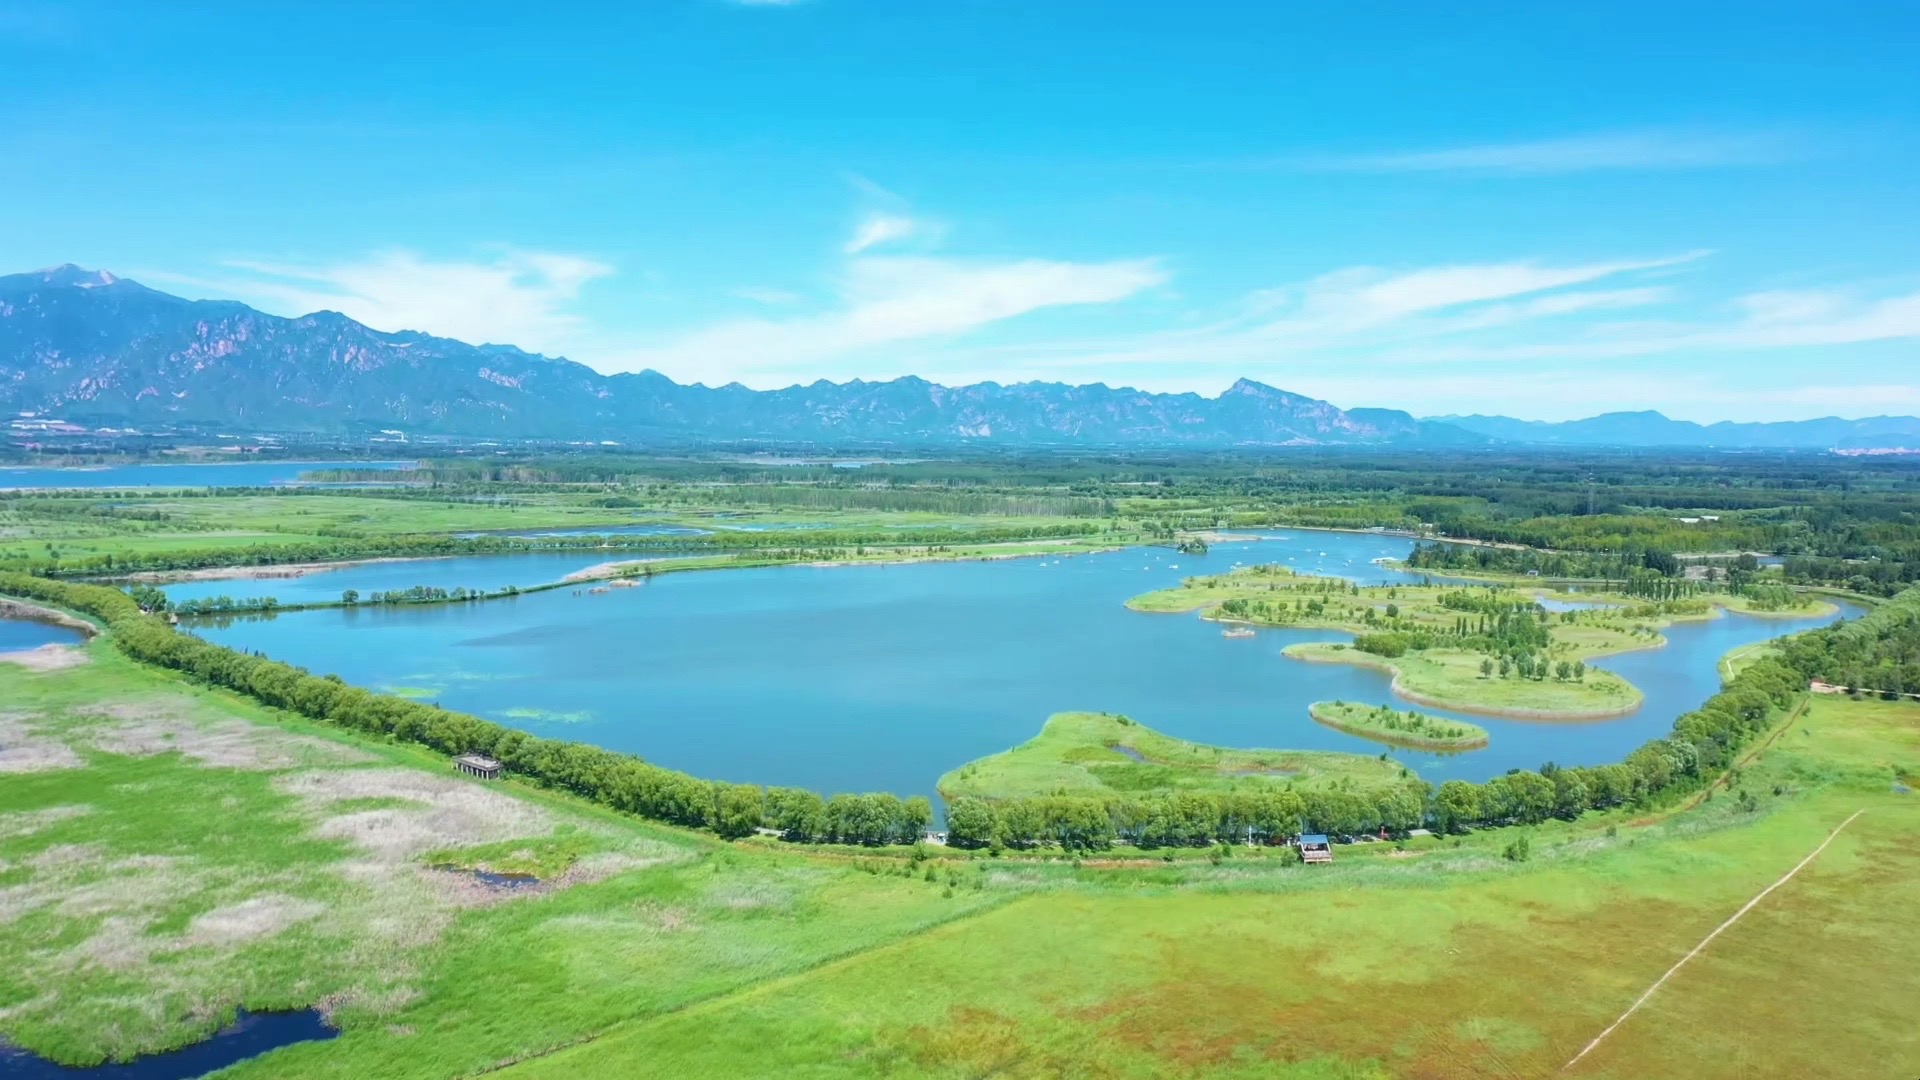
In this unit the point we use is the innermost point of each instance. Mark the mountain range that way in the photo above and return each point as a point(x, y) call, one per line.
point(92, 349)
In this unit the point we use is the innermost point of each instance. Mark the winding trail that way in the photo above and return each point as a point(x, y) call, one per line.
point(1697, 949)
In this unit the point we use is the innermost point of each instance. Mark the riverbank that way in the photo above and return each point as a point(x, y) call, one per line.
point(268, 572)
point(21, 609)
point(630, 571)
point(1395, 727)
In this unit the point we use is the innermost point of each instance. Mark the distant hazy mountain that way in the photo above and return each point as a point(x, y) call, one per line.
point(97, 350)
point(1651, 429)
point(94, 349)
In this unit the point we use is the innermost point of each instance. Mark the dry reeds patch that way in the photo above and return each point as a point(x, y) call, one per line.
point(163, 726)
point(46, 658)
point(25, 748)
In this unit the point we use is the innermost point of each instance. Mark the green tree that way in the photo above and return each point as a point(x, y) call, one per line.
point(1456, 805)
point(971, 823)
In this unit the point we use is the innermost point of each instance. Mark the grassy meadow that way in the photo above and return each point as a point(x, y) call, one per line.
point(1443, 962)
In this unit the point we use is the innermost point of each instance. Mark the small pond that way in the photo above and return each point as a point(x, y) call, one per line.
point(17, 634)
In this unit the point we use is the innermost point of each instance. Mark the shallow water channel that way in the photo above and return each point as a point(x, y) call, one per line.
point(250, 1035)
point(883, 677)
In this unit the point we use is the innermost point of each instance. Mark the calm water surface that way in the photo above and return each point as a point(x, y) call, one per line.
point(884, 677)
point(26, 634)
point(484, 572)
point(218, 474)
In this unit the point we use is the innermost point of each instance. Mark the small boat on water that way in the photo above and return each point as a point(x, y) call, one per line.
point(1237, 632)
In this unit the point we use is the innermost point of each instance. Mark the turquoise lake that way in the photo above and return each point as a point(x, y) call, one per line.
point(883, 677)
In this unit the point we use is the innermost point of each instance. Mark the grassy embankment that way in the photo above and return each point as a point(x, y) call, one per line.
point(1398, 727)
point(1446, 677)
point(1444, 962)
point(146, 526)
point(1082, 753)
point(291, 867)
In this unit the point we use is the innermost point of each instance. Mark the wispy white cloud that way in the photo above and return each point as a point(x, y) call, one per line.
point(877, 230)
point(760, 294)
point(1630, 150)
point(515, 297)
point(888, 301)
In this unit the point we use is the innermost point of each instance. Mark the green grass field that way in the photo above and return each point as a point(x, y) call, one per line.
point(1442, 963)
point(1081, 753)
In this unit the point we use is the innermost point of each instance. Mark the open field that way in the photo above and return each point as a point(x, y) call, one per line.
point(1080, 753)
point(1435, 965)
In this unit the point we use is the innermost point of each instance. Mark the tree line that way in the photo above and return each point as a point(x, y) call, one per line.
point(1877, 653)
point(336, 549)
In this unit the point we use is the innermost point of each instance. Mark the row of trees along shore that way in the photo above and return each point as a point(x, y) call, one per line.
point(818, 543)
point(1701, 743)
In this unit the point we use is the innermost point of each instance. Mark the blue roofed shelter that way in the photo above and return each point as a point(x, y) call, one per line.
point(1314, 848)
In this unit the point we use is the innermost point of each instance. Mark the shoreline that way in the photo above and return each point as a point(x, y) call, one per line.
point(49, 657)
point(27, 612)
point(263, 572)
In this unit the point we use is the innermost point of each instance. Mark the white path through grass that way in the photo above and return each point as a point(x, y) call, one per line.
point(1698, 949)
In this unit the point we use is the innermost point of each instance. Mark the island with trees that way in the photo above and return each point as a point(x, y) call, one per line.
point(1398, 727)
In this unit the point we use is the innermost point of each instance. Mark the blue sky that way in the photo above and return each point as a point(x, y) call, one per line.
point(1545, 210)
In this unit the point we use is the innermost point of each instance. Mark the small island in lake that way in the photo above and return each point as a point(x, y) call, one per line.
point(1398, 727)
point(1495, 650)
point(1084, 753)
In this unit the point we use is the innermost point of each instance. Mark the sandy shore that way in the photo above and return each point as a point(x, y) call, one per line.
point(46, 657)
point(20, 609)
point(258, 573)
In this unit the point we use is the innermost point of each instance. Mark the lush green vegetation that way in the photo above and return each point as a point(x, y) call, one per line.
point(1398, 727)
point(1089, 780)
point(1442, 960)
point(1110, 903)
point(1468, 648)
point(1847, 523)
point(1879, 653)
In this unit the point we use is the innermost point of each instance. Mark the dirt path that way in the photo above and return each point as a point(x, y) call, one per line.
point(1704, 942)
